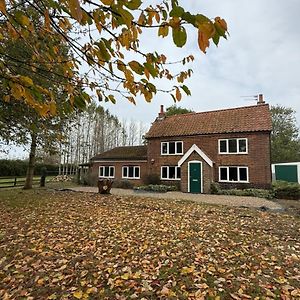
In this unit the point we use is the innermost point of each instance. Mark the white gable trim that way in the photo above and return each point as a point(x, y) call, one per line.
point(199, 151)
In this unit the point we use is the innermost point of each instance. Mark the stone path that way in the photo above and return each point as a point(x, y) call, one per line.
point(253, 202)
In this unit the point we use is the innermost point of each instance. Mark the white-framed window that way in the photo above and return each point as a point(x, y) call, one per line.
point(170, 173)
point(233, 174)
point(131, 172)
point(172, 148)
point(233, 146)
point(107, 171)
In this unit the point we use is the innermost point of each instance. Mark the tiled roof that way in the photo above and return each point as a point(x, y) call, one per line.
point(123, 153)
point(242, 119)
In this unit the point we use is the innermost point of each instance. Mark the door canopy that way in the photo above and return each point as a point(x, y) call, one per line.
point(197, 150)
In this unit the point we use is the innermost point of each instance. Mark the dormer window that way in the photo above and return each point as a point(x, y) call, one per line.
point(172, 148)
point(233, 146)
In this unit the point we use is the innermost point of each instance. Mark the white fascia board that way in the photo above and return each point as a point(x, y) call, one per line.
point(197, 150)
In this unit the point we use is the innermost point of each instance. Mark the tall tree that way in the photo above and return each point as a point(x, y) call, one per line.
point(103, 35)
point(285, 139)
point(177, 110)
point(97, 130)
point(21, 123)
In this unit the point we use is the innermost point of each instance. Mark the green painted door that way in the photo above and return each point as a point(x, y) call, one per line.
point(195, 178)
point(286, 173)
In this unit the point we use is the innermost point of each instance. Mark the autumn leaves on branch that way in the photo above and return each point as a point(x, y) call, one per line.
point(100, 36)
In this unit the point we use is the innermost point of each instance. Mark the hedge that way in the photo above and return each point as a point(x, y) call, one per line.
point(286, 190)
point(19, 167)
point(280, 190)
point(158, 188)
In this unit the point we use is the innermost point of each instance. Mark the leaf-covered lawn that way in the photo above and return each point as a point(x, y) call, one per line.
point(65, 245)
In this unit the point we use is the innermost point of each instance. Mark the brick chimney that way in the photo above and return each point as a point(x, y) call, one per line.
point(161, 114)
point(260, 99)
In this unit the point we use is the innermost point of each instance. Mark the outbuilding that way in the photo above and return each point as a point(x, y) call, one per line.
point(286, 171)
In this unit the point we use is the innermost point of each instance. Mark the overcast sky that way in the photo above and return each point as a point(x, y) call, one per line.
point(262, 55)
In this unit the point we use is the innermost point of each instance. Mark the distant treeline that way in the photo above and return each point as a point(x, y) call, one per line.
point(18, 168)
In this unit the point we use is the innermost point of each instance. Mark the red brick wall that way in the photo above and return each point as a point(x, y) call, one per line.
point(94, 170)
point(257, 159)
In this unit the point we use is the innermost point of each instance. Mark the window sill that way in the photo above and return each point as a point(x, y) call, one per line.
point(226, 181)
point(177, 154)
point(239, 153)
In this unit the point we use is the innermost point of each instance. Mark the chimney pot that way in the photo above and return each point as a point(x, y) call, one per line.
point(161, 114)
point(260, 99)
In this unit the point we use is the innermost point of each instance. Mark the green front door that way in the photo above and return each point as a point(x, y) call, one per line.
point(195, 178)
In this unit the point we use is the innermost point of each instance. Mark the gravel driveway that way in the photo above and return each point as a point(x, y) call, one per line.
point(253, 202)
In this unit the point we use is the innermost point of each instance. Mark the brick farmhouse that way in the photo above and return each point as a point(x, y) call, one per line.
point(229, 146)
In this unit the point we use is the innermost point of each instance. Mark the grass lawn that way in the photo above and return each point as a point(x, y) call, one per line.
point(66, 245)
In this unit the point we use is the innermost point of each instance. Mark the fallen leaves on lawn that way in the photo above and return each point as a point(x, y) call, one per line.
point(56, 245)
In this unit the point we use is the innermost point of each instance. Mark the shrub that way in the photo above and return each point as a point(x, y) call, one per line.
point(215, 188)
point(152, 179)
point(158, 188)
point(90, 179)
point(260, 193)
point(286, 190)
point(123, 184)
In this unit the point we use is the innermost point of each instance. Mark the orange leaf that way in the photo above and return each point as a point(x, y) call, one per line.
point(163, 30)
point(75, 9)
point(203, 41)
point(208, 29)
point(178, 95)
point(221, 22)
point(107, 2)
point(47, 20)
point(3, 6)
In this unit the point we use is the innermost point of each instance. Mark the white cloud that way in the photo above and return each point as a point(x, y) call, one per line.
point(261, 56)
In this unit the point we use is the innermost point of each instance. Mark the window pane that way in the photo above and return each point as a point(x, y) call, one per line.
point(223, 146)
point(130, 172)
point(179, 147)
point(242, 145)
point(164, 148)
point(106, 171)
point(171, 172)
point(232, 146)
point(223, 173)
point(136, 172)
point(111, 172)
point(101, 171)
point(233, 175)
point(125, 172)
point(178, 172)
point(243, 174)
point(164, 172)
point(171, 147)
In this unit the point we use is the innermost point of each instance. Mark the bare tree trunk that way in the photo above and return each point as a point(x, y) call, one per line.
point(60, 155)
point(31, 164)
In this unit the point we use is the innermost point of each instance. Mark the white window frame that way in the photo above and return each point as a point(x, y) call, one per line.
point(168, 172)
point(109, 168)
point(227, 146)
point(134, 167)
point(168, 142)
point(238, 174)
